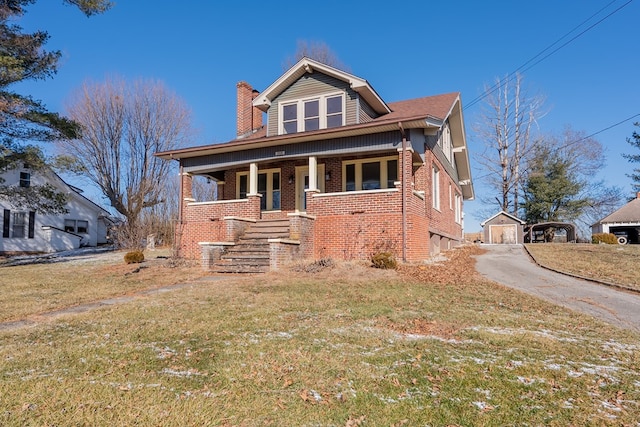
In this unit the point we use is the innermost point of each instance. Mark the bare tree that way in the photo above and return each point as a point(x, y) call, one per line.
point(122, 126)
point(318, 51)
point(506, 128)
point(584, 158)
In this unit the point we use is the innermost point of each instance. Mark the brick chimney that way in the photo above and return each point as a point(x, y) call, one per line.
point(249, 118)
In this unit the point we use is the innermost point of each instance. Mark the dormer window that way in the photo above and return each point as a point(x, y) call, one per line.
point(25, 179)
point(310, 114)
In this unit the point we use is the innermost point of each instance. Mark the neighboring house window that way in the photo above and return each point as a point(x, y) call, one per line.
point(25, 179)
point(76, 226)
point(268, 187)
point(19, 224)
point(15, 226)
point(458, 208)
point(310, 114)
point(369, 174)
point(436, 187)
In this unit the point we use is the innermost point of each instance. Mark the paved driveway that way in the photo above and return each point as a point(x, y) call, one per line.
point(510, 265)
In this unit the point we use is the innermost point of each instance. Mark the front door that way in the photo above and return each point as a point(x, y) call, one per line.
point(302, 184)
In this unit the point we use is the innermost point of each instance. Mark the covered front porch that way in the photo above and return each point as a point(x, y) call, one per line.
point(340, 207)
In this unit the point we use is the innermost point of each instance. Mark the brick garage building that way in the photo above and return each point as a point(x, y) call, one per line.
point(323, 167)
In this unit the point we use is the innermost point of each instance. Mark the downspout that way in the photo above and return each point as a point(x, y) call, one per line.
point(404, 197)
point(177, 240)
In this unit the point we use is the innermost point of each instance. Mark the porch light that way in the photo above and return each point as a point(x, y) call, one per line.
point(291, 178)
point(327, 176)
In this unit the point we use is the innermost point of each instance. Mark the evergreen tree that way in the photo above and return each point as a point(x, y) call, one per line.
point(552, 192)
point(634, 158)
point(25, 121)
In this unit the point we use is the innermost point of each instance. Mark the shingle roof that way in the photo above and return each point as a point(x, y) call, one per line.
point(436, 106)
point(628, 213)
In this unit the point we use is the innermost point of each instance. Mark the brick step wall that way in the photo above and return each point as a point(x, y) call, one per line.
point(251, 253)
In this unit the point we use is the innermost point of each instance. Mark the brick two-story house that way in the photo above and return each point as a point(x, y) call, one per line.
point(333, 170)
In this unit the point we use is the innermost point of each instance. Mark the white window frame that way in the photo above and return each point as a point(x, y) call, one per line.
point(435, 192)
point(458, 208)
point(25, 179)
point(19, 224)
point(269, 193)
point(322, 111)
point(76, 225)
point(384, 177)
point(447, 146)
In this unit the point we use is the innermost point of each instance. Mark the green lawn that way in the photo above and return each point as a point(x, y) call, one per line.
point(346, 346)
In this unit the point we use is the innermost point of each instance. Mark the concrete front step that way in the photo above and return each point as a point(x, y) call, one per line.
point(251, 252)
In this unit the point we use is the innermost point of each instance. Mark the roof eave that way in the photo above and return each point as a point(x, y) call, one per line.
point(306, 65)
point(343, 132)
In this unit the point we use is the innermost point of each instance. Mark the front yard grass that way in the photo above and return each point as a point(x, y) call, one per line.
point(37, 288)
point(617, 264)
point(344, 346)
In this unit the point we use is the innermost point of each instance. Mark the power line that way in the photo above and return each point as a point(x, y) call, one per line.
point(580, 139)
point(596, 133)
point(511, 75)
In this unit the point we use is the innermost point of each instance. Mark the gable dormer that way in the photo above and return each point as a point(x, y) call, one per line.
point(313, 96)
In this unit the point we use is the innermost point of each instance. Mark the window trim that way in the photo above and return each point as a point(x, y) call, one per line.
point(269, 192)
point(435, 183)
point(76, 228)
point(300, 113)
point(384, 177)
point(26, 181)
point(458, 208)
point(9, 223)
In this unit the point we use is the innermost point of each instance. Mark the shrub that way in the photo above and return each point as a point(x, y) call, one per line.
point(134, 257)
point(607, 238)
point(384, 260)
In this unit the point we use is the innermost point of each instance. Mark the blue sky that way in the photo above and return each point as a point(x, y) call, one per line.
point(201, 49)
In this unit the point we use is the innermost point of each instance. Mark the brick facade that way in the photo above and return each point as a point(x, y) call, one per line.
point(339, 225)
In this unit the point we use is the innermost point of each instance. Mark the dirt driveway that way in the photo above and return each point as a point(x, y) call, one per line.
point(511, 266)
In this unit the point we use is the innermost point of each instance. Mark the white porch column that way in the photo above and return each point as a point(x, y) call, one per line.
point(253, 179)
point(313, 173)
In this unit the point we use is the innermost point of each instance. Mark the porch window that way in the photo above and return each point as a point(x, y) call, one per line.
point(268, 187)
point(311, 114)
point(370, 174)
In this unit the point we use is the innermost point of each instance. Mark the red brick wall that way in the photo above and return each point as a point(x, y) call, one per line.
point(204, 222)
point(347, 226)
point(442, 221)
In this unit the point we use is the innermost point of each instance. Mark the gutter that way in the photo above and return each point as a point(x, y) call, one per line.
point(404, 198)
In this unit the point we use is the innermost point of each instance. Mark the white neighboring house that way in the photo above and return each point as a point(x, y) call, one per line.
point(26, 231)
point(624, 223)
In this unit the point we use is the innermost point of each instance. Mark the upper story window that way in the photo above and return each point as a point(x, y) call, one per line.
point(444, 141)
point(25, 179)
point(310, 114)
